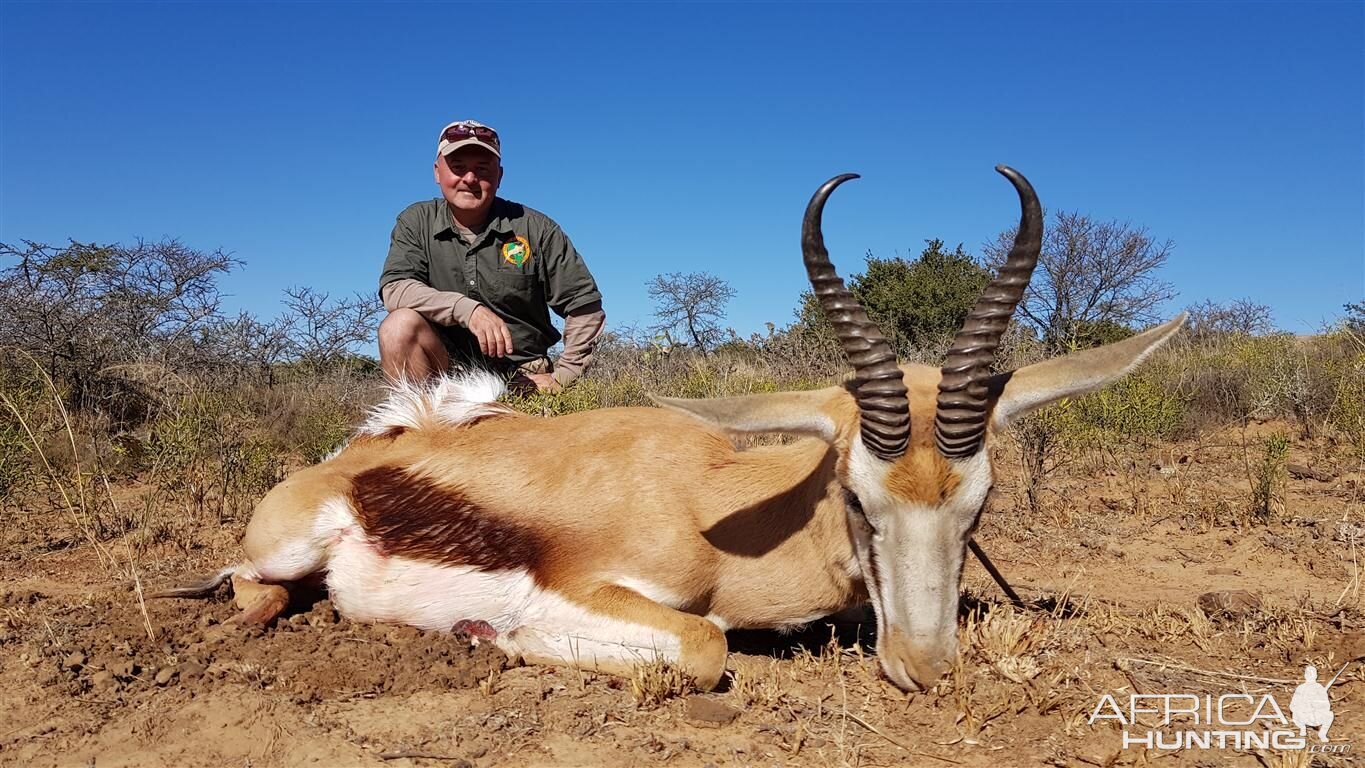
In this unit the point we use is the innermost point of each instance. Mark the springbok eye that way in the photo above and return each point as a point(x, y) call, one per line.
point(852, 501)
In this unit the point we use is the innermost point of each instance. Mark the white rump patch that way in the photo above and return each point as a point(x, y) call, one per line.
point(294, 558)
point(448, 400)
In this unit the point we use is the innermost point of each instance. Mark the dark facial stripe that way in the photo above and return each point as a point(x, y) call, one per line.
point(413, 517)
point(858, 517)
point(875, 572)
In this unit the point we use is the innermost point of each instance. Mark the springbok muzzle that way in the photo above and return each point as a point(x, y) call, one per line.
point(916, 664)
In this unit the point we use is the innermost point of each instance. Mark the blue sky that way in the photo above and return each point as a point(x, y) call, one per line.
point(688, 137)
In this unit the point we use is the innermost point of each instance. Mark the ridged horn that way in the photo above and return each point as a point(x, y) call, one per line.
point(960, 415)
point(883, 408)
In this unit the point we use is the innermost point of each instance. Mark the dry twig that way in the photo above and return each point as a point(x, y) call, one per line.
point(1209, 672)
point(896, 741)
point(412, 755)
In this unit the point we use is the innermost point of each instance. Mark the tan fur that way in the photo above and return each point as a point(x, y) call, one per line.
point(657, 497)
point(922, 475)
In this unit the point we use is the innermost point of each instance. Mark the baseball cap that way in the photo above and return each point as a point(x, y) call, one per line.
point(465, 133)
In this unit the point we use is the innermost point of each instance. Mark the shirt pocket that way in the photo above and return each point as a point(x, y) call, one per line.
point(511, 274)
point(512, 289)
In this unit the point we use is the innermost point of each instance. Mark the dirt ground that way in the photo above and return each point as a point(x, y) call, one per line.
point(1112, 565)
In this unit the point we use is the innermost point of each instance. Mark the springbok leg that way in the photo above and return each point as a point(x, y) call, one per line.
point(612, 630)
point(260, 603)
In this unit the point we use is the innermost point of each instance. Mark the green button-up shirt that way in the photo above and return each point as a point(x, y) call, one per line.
point(520, 266)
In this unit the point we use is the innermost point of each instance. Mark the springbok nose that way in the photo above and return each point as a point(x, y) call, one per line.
point(916, 664)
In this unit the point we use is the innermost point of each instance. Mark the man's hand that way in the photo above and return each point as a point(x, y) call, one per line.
point(540, 382)
point(494, 338)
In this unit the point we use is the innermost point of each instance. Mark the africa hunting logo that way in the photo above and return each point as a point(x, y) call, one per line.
point(1239, 721)
point(517, 252)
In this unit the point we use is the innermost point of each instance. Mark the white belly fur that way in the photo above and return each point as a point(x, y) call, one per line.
point(530, 620)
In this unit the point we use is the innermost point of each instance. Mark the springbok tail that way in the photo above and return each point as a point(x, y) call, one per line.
point(200, 589)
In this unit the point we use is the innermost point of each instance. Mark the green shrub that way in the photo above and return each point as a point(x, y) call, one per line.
point(27, 414)
point(1331, 393)
point(208, 454)
point(1138, 407)
point(1269, 479)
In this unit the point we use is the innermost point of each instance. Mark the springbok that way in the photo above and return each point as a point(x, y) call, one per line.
point(606, 538)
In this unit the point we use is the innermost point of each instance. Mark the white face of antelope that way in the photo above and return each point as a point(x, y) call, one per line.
point(911, 551)
point(915, 499)
point(915, 489)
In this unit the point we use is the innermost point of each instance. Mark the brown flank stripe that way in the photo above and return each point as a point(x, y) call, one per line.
point(413, 517)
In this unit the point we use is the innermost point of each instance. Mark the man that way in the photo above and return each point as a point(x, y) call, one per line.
point(470, 276)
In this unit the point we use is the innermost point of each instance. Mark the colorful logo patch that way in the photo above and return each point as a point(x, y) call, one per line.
point(517, 252)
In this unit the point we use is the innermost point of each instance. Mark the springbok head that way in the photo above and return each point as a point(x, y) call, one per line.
point(912, 441)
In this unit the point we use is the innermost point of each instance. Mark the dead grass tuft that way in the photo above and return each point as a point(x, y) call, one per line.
point(657, 681)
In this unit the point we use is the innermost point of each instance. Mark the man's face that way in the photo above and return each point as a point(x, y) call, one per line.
point(469, 178)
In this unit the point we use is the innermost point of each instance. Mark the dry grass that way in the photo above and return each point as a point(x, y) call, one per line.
point(759, 685)
point(655, 682)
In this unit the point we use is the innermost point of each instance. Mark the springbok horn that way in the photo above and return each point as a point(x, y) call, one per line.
point(960, 417)
point(883, 407)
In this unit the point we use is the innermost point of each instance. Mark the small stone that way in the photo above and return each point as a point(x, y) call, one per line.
point(1347, 532)
point(164, 676)
point(1303, 472)
point(322, 615)
point(74, 661)
point(1282, 543)
point(190, 670)
point(1231, 602)
point(1223, 571)
point(704, 711)
point(104, 679)
point(124, 669)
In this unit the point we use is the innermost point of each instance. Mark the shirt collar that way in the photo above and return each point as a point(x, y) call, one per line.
point(498, 221)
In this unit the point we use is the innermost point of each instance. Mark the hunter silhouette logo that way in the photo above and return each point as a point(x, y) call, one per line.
point(1232, 720)
point(1310, 707)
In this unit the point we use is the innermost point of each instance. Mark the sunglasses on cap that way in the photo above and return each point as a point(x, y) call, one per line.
point(462, 131)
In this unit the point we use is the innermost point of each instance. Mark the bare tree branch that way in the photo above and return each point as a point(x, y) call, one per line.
point(1091, 273)
point(322, 330)
point(693, 302)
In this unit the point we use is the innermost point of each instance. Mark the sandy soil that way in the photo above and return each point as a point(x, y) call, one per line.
point(1113, 567)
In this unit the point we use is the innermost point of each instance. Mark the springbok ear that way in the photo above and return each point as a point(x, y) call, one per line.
point(811, 413)
point(1037, 385)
